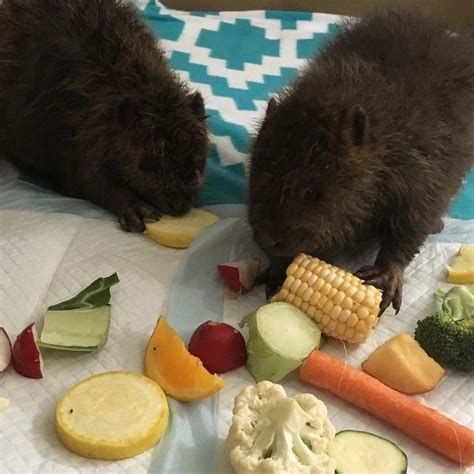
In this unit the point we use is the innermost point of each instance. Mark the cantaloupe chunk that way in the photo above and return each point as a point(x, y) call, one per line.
point(179, 232)
point(403, 365)
point(462, 269)
point(114, 415)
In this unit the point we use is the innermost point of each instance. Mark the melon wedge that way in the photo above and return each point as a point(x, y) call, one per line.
point(114, 415)
point(181, 375)
point(402, 364)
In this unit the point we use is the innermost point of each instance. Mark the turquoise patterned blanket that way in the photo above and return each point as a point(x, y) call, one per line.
point(237, 59)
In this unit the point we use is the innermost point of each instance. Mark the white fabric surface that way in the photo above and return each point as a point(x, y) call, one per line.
point(51, 247)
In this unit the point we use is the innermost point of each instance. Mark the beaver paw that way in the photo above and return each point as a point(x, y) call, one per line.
point(388, 278)
point(132, 217)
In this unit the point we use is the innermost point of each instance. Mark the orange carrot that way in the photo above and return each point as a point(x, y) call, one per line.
point(426, 425)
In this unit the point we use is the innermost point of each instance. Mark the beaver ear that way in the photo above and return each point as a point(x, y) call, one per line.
point(127, 111)
point(196, 103)
point(359, 123)
point(271, 107)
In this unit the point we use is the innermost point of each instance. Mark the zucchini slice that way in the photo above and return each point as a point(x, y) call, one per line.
point(360, 452)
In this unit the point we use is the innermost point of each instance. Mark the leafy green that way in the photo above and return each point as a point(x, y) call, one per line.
point(95, 295)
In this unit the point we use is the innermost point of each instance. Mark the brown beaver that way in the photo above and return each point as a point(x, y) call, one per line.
point(89, 103)
point(373, 139)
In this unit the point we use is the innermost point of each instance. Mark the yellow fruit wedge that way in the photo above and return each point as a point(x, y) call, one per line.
point(114, 415)
point(179, 232)
point(181, 375)
point(462, 269)
point(402, 364)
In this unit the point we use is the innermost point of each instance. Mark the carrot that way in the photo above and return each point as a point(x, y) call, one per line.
point(426, 425)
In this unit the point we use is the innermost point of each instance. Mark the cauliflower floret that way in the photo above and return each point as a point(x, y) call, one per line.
point(272, 433)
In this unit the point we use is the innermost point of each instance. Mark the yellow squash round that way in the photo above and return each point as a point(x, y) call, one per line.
point(114, 415)
point(179, 232)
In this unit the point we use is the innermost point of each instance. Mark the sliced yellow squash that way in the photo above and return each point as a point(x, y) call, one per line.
point(114, 415)
point(462, 269)
point(179, 232)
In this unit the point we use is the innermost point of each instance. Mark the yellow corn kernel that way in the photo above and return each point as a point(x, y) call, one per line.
point(299, 272)
point(288, 282)
point(302, 288)
point(340, 303)
point(292, 268)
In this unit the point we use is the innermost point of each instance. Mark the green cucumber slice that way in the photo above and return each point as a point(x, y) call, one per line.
point(360, 452)
point(76, 330)
point(280, 337)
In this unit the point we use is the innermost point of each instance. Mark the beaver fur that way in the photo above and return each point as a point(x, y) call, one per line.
point(373, 139)
point(89, 103)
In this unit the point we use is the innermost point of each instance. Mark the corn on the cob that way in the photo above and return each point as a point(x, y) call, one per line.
point(339, 302)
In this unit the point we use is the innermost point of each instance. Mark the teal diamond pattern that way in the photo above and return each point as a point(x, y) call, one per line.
point(238, 44)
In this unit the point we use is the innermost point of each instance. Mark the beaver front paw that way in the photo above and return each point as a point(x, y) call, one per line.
point(388, 278)
point(133, 216)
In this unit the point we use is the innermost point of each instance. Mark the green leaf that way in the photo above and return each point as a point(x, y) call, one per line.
point(95, 295)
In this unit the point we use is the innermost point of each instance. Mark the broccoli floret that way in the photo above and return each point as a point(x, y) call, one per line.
point(448, 336)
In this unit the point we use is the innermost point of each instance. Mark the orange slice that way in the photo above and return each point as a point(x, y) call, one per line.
point(180, 374)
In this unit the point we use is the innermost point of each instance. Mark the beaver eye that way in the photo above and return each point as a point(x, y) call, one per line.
point(311, 194)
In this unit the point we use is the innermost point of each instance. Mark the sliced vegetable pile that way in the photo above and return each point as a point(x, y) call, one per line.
point(78, 324)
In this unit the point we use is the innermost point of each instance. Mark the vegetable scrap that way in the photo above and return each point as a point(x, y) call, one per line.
point(280, 337)
point(424, 424)
point(4, 404)
point(276, 434)
point(239, 276)
point(340, 303)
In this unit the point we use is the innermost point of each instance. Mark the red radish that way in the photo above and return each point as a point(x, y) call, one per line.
point(26, 355)
point(240, 276)
point(5, 350)
point(219, 346)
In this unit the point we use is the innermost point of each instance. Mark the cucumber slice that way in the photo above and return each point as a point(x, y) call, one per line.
point(360, 452)
point(76, 330)
point(280, 337)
